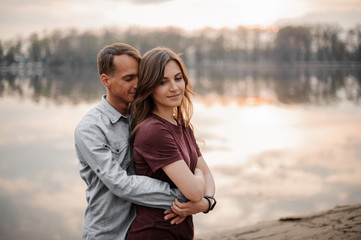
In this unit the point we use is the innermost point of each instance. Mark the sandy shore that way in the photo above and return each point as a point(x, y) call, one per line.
point(337, 223)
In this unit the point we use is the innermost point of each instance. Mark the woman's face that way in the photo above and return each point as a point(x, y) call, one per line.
point(170, 91)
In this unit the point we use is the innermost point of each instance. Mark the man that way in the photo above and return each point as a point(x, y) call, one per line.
point(101, 143)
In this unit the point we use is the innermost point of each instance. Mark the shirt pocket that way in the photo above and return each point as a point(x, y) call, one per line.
point(120, 152)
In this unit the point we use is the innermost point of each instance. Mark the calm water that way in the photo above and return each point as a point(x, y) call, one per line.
point(279, 142)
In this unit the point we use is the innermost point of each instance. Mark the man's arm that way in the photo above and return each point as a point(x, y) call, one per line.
point(142, 190)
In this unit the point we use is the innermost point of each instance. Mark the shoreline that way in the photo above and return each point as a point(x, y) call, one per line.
point(341, 222)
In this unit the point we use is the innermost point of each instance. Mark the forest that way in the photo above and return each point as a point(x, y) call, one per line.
point(289, 44)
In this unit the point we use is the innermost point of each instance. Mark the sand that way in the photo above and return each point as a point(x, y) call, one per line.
point(338, 223)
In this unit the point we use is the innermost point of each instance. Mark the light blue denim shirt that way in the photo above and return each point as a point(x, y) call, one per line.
point(101, 143)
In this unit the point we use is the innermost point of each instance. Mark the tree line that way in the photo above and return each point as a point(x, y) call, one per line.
point(289, 44)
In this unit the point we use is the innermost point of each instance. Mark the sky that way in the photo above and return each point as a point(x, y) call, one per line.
point(23, 17)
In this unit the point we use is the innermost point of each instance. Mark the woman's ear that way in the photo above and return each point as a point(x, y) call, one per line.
point(104, 79)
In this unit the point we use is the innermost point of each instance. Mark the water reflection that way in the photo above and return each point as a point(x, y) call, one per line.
point(287, 84)
point(272, 161)
point(278, 144)
point(58, 85)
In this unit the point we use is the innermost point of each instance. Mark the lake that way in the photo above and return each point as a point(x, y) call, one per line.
point(280, 140)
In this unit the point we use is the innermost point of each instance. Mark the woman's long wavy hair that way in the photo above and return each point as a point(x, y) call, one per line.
point(151, 73)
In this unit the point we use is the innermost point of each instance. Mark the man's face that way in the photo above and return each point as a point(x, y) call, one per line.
point(123, 83)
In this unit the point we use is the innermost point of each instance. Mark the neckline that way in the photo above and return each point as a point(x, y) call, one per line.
point(165, 120)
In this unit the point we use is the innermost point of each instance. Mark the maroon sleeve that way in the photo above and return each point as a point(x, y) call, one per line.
point(156, 145)
point(190, 132)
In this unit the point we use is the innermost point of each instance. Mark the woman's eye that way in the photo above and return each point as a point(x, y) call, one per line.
point(162, 82)
point(178, 78)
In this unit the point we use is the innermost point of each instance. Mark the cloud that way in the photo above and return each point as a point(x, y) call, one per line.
point(14, 187)
point(25, 221)
point(48, 206)
point(346, 19)
point(334, 5)
point(143, 2)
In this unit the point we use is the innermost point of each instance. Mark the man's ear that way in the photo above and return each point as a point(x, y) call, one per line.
point(104, 79)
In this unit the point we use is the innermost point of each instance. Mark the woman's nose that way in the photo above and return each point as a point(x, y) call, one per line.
point(173, 85)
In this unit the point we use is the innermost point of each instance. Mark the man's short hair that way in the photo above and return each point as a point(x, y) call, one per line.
point(106, 56)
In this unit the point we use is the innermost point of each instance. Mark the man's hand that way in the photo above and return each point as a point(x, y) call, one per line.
point(181, 210)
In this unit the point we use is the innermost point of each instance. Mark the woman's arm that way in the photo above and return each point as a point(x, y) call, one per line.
point(210, 187)
point(191, 185)
point(180, 210)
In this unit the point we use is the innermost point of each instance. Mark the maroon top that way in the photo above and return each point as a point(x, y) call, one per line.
point(158, 143)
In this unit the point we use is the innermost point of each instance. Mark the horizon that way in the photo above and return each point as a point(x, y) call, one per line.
point(25, 17)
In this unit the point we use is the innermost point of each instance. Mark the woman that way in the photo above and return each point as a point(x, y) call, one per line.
point(164, 144)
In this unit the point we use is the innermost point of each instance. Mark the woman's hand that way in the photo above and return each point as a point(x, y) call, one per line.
point(176, 219)
point(189, 208)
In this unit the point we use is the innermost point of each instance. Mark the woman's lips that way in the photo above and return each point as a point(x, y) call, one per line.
point(174, 96)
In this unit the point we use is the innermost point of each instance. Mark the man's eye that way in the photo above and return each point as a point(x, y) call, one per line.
point(129, 79)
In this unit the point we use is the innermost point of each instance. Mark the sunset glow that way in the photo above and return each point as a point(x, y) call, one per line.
point(276, 104)
point(25, 17)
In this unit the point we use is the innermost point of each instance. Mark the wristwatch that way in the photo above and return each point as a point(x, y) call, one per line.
point(210, 206)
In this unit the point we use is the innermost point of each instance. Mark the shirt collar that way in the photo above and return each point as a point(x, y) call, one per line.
point(110, 111)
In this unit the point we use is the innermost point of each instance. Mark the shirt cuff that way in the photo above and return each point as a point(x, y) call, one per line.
point(179, 195)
